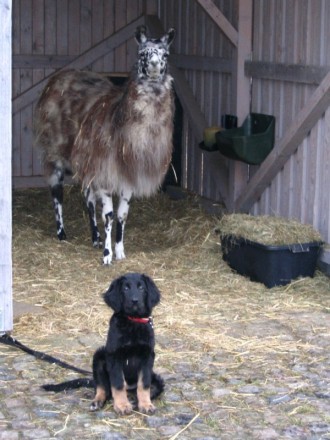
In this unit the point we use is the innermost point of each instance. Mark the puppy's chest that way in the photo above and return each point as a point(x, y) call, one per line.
point(131, 340)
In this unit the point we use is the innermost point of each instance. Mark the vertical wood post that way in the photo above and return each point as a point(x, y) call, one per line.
point(6, 302)
point(238, 171)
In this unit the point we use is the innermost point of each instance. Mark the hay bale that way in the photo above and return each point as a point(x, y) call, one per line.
point(267, 230)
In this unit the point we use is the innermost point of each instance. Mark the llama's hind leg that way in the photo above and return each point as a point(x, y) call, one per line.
point(55, 181)
point(91, 199)
point(122, 214)
point(107, 216)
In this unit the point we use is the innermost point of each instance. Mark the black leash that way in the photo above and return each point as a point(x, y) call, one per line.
point(8, 340)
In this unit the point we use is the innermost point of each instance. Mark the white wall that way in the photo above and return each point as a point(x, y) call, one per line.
point(6, 310)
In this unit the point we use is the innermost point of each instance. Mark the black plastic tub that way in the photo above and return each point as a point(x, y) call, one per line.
point(271, 265)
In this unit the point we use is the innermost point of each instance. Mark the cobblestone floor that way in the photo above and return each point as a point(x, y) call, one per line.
point(201, 402)
point(240, 362)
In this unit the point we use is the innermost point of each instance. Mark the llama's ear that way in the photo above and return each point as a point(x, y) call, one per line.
point(141, 34)
point(169, 37)
point(112, 296)
point(153, 292)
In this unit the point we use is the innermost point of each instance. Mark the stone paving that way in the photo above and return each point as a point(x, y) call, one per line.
point(200, 403)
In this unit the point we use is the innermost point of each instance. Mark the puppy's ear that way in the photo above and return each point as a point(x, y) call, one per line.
point(153, 292)
point(112, 296)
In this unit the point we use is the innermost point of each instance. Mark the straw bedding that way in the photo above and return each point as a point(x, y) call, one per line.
point(211, 321)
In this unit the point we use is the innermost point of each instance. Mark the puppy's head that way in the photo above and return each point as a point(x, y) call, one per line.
point(133, 294)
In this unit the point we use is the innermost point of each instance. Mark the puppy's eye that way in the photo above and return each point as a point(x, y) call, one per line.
point(141, 287)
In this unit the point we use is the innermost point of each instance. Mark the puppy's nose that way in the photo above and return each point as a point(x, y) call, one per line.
point(135, 300)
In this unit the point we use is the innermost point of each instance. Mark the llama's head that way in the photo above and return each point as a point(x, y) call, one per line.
point(153, 54)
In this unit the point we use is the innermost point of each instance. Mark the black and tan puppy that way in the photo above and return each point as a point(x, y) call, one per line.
point(126, 362)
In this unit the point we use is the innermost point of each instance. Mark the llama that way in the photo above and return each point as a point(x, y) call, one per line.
point(114, 140)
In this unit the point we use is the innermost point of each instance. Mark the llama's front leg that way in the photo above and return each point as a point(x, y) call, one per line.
point(91, 206)
point(107, 216)
point(123, 209)
point(55, 181)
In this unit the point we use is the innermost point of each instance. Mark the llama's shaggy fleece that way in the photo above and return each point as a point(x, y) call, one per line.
point(114, 140)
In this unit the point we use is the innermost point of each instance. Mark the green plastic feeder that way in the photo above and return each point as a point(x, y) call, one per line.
point(252, 142)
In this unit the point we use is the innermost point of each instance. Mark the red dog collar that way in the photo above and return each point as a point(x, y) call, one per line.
point(141, 320)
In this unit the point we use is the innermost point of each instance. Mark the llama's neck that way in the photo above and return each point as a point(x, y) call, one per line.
point(152, 87)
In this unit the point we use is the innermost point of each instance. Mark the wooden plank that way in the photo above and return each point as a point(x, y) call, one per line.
point(286, 72)
point(206, 63)
point(26, 78)
point(133, 11)
point(108, 29)
point(85, 25)
point(62, 35)
point(74, 29)
point(16, 81)
point(97, 30)
point(30, 182)
point(150, 7)
point(6, 301)
point(217, 16)
point(38, 47)
point(80, 62)
point(23, 182)
point(316, 105)
point(41, 61)
point(120, 21)
point(50, 30)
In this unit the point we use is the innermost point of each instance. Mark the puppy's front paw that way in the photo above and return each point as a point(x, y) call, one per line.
point(147, 408)
point(99, 399)
point(123, 408)
point(96, 405)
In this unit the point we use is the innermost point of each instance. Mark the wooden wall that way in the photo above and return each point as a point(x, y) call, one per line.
point(49, 34)
point(295, 33)
point(290, 58)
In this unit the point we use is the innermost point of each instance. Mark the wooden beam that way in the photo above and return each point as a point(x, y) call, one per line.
point(238, 171)
point(242, 83)
point(220, 20)
point(83, 60)
point(6, 300)
point(197, 62)
point(286, 72)
point(193, 62)
point(316, 105)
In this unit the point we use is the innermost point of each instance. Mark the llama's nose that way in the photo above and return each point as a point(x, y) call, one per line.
point(154, 61)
